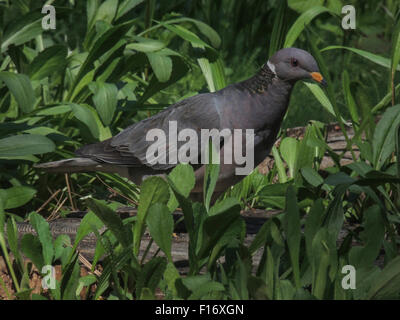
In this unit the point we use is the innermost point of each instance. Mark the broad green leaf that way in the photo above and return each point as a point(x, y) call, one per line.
point(161, 65)
point(89, 221)
point(18, 196)
point(179, 70)
point(387, 285)
point(182, 176)
point(151, 275)
point(320, 263)
point(293, 232)
point(379, 60)
point(321, 97)
point(185, 34)
point(25, 144)
point(301, 22)
point(372, 236)
point(312, 176)
point(105, 42)
point(351, 104)
point(395, 51)
point(111, 220)
point(171, 274)
point(220, 220)
point(274, 195)
point(279, 165)
point(22, 30)
point(161, 225)
point(313, 224)
point(107, 11)
point(105, 100)
point(32, 248)
point(146, 45)
point(383, 143)
point(12, 239)
point(127, 5)
point(289, 151)
point(21, 88)
point(304, 5)
point(206, 290)
point(153, 190)
point(211, 174)
point(51, 61)
point(43, 230)
point(84, 114)
point(85, 281)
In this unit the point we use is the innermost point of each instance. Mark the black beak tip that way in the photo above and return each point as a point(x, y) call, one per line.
point(324, 83)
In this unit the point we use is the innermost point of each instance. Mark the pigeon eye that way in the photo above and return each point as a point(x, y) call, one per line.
point(294, 62)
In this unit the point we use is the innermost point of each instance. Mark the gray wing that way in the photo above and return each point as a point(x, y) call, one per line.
point(129, 147)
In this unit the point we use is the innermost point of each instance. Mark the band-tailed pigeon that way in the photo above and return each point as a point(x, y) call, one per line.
point(258, 103)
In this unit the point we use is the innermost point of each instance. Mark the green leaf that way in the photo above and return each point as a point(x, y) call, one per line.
point(289, 151)
point(22, 30)
point(351, 104)
point(320, 263)
point(21, 88)
point(126, 6)
point(293, 232)
point(17, 196)
point(151, 275)
point(221, 218)
point(299, 25)
point(384, 62)
point(182, 176)
point(304, 5)
point(387, 284)
point(86, 115)
point(395, 51)
point(105, 42)
point(153, 190)
point(111, 220)
point(274, 195)
point(312, 176)
point(211, 174)
point(49, 62)
point(279, 165)
point(321, 97)
point(25, 144)
point(171, 274)
point(372, 236)
point(105, 100)
point(161, 225)
point(85, 281)
point(43, 230)
point(161, 65)
point(383, 143)
point(89, 221)
point(185, 34)
point(31, 247)
point(12, 239)
point(146, 45)
point(179, 70)
point(314, 222)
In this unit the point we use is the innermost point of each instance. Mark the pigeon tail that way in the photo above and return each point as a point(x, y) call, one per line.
point(71, 165)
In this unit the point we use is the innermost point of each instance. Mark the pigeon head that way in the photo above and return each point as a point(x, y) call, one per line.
point(292, 64)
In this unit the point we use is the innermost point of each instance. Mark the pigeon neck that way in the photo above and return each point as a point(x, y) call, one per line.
point(261, 81)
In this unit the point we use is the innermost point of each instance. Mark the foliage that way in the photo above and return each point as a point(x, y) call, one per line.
point(112, 63)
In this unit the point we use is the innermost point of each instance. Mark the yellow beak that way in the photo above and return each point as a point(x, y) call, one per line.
point(319, 78)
